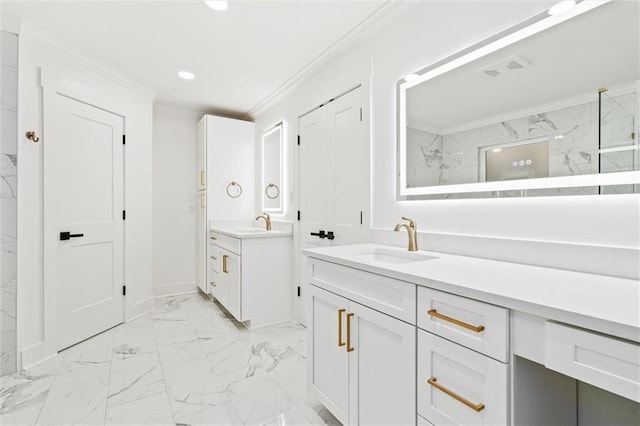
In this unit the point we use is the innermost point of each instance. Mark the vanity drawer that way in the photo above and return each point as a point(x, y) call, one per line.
point(476, 325)
point(422, 422)
point(214, 259)
point(232, 244)
point(603, 361)
point(387, 295)
point(459, 386)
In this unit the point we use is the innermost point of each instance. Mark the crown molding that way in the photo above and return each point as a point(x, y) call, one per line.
point(71, 52)
point(372, 24)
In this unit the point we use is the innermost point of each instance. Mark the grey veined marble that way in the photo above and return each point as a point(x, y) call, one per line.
point(186, 363)
point(8, 201)
point(455, 158)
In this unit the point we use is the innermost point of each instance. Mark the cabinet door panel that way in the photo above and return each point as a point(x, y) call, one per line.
point(329, 361)
point(231, 278)
point(474, 377)
point(381, 368)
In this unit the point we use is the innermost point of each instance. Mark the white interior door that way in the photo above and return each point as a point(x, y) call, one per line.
point(313, 192)
point(334, 178)
point(84, 192)
point(348, 168)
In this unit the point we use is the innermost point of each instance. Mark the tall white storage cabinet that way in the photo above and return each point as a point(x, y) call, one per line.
point(224, 180)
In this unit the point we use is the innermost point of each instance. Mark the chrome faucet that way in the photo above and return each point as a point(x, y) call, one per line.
point(267, 219)
point(411, 230)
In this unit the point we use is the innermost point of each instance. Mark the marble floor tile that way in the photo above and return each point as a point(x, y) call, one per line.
point(186, 363)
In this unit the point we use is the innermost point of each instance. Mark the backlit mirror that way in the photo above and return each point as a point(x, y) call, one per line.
point(272, 170)
point(549, 107)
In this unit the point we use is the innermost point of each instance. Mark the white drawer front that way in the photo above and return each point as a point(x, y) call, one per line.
point(392, 297)
point(602, 361)
point(476, 325)
point(472, 377)
point(214, 259)
point(232, 244)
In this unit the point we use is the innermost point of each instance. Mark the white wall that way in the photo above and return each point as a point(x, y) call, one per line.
point(174, 184)
point(431, 31)
point(42, 56)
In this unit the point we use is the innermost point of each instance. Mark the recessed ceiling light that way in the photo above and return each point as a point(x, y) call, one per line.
point(561, 7)
point(186, 75)
point(217, 4)
point(411, 77)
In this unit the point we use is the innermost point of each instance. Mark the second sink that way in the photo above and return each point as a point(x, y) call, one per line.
point(392, 256)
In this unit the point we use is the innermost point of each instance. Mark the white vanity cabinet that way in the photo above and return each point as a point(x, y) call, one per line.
point(251, 277)
point(363, 361)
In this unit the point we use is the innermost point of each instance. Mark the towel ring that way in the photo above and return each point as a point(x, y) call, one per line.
point(238, 190)
point(266, 191)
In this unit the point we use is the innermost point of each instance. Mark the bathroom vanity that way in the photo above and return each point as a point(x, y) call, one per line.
point(400, 337)
point(250, 273)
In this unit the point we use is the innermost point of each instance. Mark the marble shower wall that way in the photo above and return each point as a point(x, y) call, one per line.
point(8, 205)
point(573, 145)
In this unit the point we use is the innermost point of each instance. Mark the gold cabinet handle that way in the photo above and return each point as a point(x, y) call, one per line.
point(213, 284)
point(214, 258)
point(349, 348)
point(224, 264)
point(477, 407)
point(202, 177)
point(202, 201)
point(213, 237)
point(476, 328)
point(340, 312)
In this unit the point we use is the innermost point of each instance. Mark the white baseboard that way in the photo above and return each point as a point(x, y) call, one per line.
point(34, 355)
point(174, 289)
point(139, 309)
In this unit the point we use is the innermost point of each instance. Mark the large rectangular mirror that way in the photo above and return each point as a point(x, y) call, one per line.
point(549, 107)
point(272, 169)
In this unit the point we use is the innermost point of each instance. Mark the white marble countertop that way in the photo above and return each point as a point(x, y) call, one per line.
point(602, 303)
point(251, 232)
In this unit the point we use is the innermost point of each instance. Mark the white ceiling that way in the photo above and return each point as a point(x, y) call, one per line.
point(242, 57)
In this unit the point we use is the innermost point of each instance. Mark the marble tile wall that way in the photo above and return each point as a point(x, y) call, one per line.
point(8, 207)
point(573, 145)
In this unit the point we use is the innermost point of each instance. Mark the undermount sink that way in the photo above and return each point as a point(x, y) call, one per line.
point(393, 256)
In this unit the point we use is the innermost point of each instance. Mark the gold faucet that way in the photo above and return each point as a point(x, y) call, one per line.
point(411, 230)
point(267, 219)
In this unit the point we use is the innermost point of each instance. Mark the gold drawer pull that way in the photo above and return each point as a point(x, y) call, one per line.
point(213, 284)
point(213, 237)
point(349, 348)
point(340, 312)
point(224, 264)
point(476, 328)
point(477, 407)
point(214, 258)
point(202, 174)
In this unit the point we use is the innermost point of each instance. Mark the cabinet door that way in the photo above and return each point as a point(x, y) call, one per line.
point(382, 368)
point(329, 373)
point(201, 155)
point(201, 241)
point(231, 279)
point(457, 386)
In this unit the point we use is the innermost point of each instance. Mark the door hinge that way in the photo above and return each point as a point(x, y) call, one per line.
point(124, 290)
point(298, 140)
point(298, 291)
point(124, 214)
point(360, 114)
point(298, 214)
point(124, 139)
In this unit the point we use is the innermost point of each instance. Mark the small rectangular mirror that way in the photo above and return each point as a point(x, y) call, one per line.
point(272, 169)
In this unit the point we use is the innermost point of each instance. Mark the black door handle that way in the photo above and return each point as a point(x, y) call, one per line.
point(330, 235)
point(320, 234)
point(64, 236)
